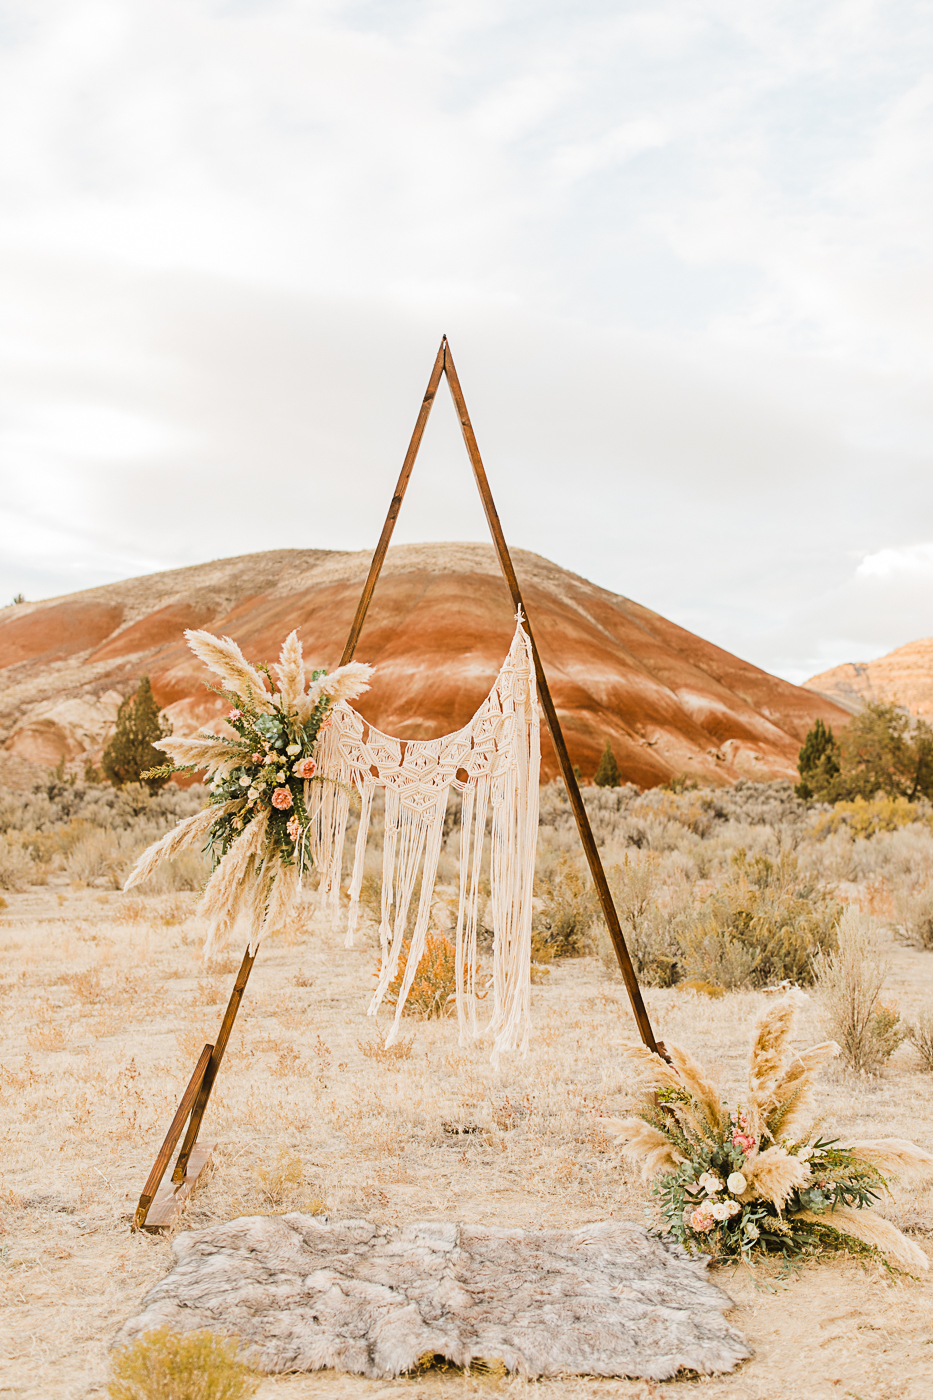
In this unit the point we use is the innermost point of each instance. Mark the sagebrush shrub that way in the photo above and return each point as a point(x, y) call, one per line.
point(566, 907)
point(850, 978)
point(16, 867)
point(166, 1365)
point(920, 1035)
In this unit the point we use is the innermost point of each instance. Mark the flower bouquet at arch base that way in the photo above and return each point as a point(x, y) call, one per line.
point(258, 824)
point(762, 1177)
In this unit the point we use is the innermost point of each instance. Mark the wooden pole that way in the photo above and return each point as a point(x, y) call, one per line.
point(210, 1074)
point(587, 838)
point(171, 1137)
point(395, 506)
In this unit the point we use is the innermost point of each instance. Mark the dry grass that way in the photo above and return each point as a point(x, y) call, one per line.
point(104, 1004)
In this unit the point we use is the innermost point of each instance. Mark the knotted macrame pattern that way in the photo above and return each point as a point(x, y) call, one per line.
point(494, 761)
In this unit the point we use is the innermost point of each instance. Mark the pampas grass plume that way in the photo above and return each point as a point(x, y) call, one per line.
point(211, 755)
point(222, 656)
point(894, 1157)
point(774, 1174)
point(291, 672)
point(644, 1144)
point(875, 1231)
point(694, 1080)
point(186, 833)
point(657, 1071)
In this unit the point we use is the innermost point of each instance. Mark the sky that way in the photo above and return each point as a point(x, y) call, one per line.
point(682, 249)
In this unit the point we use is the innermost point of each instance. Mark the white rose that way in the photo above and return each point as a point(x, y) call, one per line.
point(712, 1184)
point(293, 749)
point(737, 1183)
point(719, 1210)
point(244, 782)
point(733, 1207)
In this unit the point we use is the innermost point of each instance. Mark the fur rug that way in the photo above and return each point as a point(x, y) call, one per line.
point(604, 1300)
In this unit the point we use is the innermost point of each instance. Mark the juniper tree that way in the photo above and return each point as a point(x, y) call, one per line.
point(607, 774)
point(818, 763)
point(130, 752)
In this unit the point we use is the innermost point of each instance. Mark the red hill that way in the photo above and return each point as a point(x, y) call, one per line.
point(437, 631)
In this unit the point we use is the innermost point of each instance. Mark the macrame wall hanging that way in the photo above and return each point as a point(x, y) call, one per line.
point(494, 761)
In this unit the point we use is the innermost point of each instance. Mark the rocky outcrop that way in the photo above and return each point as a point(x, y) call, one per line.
point(437, 631)
point(904, 677)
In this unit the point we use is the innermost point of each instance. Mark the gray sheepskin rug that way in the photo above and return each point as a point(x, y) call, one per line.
point(605, 1300)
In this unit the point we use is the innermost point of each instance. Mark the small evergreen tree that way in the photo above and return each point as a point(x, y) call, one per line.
point(818, 764)
point(130, 752)
point(607, 774)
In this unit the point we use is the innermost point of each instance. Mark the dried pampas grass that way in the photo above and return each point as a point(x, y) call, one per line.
point(343, 684)
point(705, 1094)
point(210, 754)
point(186, 833)
point(229, 885)
point(650, 1065)
point(291, 672)
point(894, 1156)
point(875, 1231)
point(222, 656)
point(788, 1104)
point(774, 1175)
point(642, 1143)
point(769, 1050)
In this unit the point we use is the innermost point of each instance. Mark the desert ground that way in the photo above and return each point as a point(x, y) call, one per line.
point(106, 1002)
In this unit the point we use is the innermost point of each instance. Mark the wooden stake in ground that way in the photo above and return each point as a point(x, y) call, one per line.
point(195, 1099)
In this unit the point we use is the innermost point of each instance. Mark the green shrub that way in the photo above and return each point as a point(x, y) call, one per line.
point(130, 752)
point(762, 925)
point(607, 771)
point(165, 1365)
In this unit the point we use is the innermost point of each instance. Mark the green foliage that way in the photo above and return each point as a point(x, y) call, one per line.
point(164, 1365)
point(817, 762)
point(762, 925)
point(19, 598)
point(130, 752)
point(607, 773)
point(880, 751)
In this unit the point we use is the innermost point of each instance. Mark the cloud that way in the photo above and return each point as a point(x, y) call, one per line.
point(682, 251)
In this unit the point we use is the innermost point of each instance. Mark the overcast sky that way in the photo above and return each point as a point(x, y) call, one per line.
point(682, 250)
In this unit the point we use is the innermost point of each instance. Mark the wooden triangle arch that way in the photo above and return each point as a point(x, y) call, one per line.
point(161, 1201)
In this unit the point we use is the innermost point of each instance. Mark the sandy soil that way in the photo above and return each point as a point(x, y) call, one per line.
point(104, 1005)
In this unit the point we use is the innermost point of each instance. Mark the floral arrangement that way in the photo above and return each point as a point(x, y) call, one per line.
point(257, 826)
point(760, 1177)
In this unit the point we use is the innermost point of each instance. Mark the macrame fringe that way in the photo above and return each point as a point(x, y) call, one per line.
point(494, 761)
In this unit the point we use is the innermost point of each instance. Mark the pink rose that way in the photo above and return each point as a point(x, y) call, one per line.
point(293, 827)
point(282, 799)
point(701, 1219)
point(305, 768)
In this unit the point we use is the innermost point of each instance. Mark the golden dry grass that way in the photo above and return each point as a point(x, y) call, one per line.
point(104, 1005)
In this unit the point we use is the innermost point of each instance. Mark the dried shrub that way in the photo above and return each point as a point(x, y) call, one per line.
point(920, 1035)
point(649, 929)
point(915, 916)
point(16, 867)
point(850, 979)
point(165, 1365)
point(433, 991)
point(101, 855)
point(374, 1049)
point(566, 908)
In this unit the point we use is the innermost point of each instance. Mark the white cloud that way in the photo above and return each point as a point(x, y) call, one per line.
point(682, 251)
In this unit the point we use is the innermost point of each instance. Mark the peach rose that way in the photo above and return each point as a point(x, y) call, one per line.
point(282, 799)
point(305, 769)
